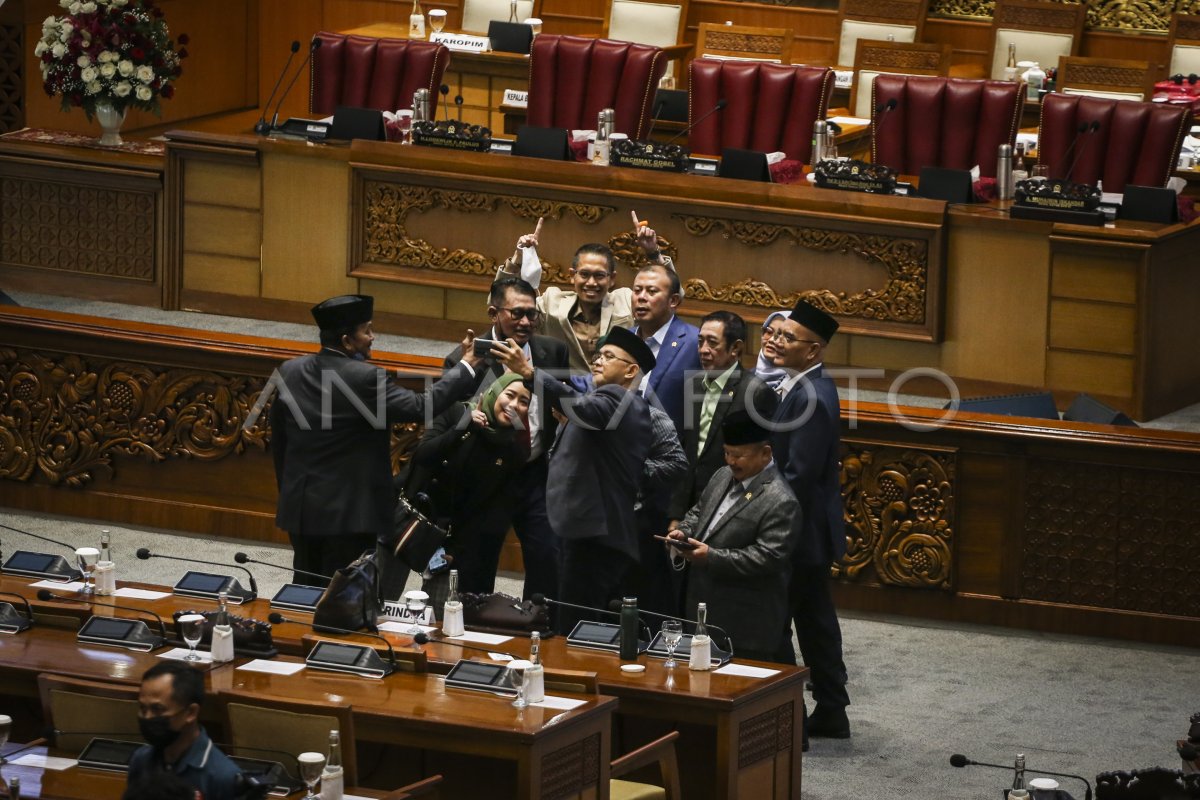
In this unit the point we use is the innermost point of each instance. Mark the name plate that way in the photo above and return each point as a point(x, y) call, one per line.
point(461, 42)
point(452, 135)
point(515, 98)
point(855, 176)
point(843, 78)
point(648, 155)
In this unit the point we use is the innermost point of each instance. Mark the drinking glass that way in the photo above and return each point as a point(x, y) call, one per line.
point(86, 558)
point(404, 121)
point(311, 766)
point(536, 24)
point(437, 20)
point(516, 676)
point(415, 602)
point(191, 627)
point(1040, 172)
point(5, 729)
point(672, 632)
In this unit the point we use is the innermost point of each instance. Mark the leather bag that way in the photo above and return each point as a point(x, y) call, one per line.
point(417, 537)
point(352, 600)
point(501, 613)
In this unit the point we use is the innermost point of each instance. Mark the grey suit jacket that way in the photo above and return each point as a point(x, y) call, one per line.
point(744, 580)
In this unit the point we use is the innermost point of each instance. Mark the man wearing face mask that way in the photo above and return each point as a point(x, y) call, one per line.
point(169, 719)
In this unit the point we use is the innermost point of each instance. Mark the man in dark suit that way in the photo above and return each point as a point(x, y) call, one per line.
point(657, 292)
point(513, 311)
point(331, 438)
point(595, 469)
point(721, 388)
point(807, 441)
point(740, 540)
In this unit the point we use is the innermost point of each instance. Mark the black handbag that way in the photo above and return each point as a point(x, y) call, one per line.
point(417, 537)
point(500, 613)
point(352, 599)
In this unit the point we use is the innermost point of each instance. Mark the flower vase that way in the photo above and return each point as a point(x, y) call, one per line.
point(110, 120)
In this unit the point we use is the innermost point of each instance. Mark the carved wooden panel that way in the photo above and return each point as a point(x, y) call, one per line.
point(899, 506)
point(56, 225)
point(761, 44)
point(12, 79)
point(763, 736)
point(1125, 15)
point(385, 237)
point(901, 299)
point(1188, 29)
point(899, 59)
point(1109, 76)
point(63, 417)
point(1113, 537)
point(570, 770)
point(899, 11)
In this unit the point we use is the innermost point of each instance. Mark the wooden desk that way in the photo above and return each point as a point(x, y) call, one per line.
point(74, 783)
point(553, 753)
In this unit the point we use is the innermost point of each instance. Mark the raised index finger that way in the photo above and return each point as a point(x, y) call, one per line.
point(538, 228)
point(636, 223)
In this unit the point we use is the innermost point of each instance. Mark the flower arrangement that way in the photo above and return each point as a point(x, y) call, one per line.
point(109, 51)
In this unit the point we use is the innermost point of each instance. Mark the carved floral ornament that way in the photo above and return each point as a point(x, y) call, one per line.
point(899, 508)
point(1126, 15)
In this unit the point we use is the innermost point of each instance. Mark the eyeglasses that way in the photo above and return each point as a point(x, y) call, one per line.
point(786, 337)
point(531, 314)
point(598, 277)
point(602, 356)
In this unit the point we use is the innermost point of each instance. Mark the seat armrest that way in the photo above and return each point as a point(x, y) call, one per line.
point(662, 752)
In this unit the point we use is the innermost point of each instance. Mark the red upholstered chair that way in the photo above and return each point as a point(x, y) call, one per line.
point(374, 73)
point(1135, 143)
point(943, 122)
point(571, 78)
point(769, 106)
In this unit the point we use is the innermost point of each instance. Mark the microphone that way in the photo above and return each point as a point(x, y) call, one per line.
point(1092, 128)
point(46, 594)
point(445, 92)
point(717, 628)
point(883, 109)
point(720, 106)
point(458, 101)
point(312, 48)
point(18, 624)
point(658, 109)
point(47, 539)
point(1082, 129)
point(540, 599)
point(261, 127)
point(275, 618)
point(425, 638)
point(41, 742)
point(242, 558)
point(959, 760)
point(144, 554)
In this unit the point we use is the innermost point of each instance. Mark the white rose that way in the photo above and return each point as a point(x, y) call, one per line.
point(84, 60)
point(39, 48)
point(123, 89)
point(58, 50)
point(144, 93)
point(107, 70)
point(125, 68)
point(65, 3)
point(64, 31)
point(49, 23)
point(74, 7)
point(120, 3)
point(88, 8)
point(108, 55)
point(93, 87)
point(145, 73)
point(88, 74)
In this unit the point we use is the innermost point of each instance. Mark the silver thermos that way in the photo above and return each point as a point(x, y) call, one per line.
point(420, 106)
point(820, 141)
point(1004, 173)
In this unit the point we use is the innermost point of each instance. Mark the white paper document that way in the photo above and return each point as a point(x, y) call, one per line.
point(272, 667)
point(70, 586)
point(403, 627)
point(44, 762)
point(559, 703)
point(480, 638)
point(500, 656)
point(178, 653)
point(746, 671)
point(140, 594)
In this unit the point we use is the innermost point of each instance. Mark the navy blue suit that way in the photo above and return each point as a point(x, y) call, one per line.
point(807, 445)
point(678, 358)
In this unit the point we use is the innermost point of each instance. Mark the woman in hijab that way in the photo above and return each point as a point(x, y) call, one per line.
point(765, 369)
point(465, 464)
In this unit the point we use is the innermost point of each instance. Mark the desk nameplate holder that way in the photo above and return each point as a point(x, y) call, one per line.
point(578, 637)
point(128, 634)
point(295, 597)
point(11, 620)
point(208, 586)
point(350, 659)
point(41, 565)
point(659, 650)
point(480, 676)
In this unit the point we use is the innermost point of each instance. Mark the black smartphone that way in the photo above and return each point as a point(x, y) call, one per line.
point(678, 544)
point(483, 347)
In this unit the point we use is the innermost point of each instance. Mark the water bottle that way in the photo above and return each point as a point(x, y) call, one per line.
point(1019, 772)
point(420, 106)
point(416, 22)
point(820, 141)
point(453, 623)
point(629, 629)
point(332, 777)
point(222, 635)
point(106, 575)
point(1004, 173)
point(701, 656)
point(535, 675)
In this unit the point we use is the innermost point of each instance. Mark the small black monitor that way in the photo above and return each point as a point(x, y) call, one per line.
point(357, 123)
point(671, 105)
point(510, 37)
point(747, 165)
point(951, 185)
point(535, 142)
point(1150, 204)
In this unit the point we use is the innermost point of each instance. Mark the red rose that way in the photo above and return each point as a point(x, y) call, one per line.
point(137, 54)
